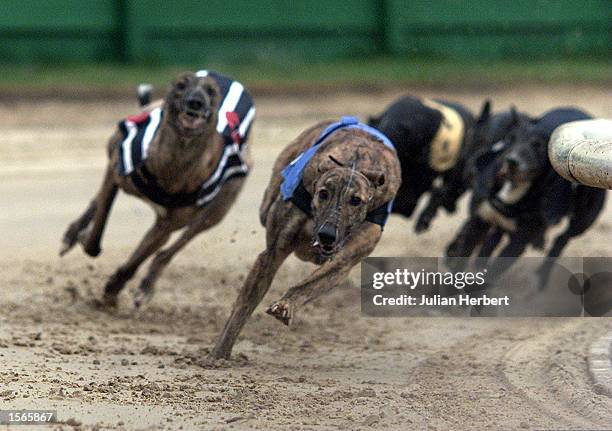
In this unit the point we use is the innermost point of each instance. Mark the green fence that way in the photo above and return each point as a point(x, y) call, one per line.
point(189, 31)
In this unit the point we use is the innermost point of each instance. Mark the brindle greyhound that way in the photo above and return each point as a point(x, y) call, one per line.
point(185, 156)
point(332, 216)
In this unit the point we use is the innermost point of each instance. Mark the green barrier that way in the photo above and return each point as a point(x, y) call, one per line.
point(284, 32)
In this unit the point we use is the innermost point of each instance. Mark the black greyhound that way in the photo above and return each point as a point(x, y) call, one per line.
point(517, 193)
point(431, 139)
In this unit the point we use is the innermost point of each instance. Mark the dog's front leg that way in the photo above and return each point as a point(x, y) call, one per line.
point(472, 234)
point(155, 237)
point(283, 227)
point(489, 245)
point(429, 212)
point(206, 218)
point(329, 275)
point(71, 236)
point(508, 255)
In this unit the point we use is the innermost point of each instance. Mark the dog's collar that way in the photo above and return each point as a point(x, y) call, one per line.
point(303, 200)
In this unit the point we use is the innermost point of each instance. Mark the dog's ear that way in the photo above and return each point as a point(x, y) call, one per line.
point(212, 91)
point(514, 116)
point(182, 80)
point(377, 178)
point(485, 112)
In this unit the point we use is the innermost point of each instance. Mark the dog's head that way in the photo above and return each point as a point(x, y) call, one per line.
point(192, 104)
point(527, 156)
point(341, 199)
point(492, 132)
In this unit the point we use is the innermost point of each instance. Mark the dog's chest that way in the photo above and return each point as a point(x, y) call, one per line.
point(176, 180)
point(498, 211)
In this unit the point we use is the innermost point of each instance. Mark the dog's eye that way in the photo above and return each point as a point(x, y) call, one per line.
point(210, 91)
point(355, 201)
point(323, 195)
point(181, 85)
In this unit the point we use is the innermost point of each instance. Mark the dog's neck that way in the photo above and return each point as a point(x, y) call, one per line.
point(180, 162)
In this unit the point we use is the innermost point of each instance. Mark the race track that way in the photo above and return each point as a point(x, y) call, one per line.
point(333, 369)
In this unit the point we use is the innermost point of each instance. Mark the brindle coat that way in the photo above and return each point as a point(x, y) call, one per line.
point(351, 174)
point(187, 141)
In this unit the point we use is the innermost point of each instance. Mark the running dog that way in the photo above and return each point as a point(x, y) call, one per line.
point(431, 137)
point(187, 157)
point(518, 194)
point(329, 197)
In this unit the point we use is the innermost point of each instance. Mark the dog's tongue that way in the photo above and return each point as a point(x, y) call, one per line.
point(192, 122)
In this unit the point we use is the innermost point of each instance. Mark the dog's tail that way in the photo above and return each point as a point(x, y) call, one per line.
point(143, 92)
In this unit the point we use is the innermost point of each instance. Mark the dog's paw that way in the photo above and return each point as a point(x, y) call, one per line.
point(106, 303)
point(66, 247)
point(70, 239)
point(142, 297)
point(282, 310)
point(422, 224)
point(92, 250)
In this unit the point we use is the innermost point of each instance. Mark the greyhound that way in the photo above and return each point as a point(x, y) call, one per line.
point(186, 156)
point(328, 206)
point(431, 138)
point(519, 195)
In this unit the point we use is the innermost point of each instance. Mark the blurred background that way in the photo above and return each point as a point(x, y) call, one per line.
point(98, 44)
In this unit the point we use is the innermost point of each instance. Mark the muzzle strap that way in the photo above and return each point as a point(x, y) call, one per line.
point(302, 199)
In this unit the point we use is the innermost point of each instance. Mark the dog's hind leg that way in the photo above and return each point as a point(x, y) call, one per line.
point(446, 196)
point(586, 207)
point(283, 225)
point(71, 236)
point(329, 275)
point(554, 252)
point(429, 212)
point(97, 210)
point(90, 239)
point(155, 238)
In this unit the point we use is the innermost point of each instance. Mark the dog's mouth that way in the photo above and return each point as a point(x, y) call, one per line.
point(193, 120)
point(516, 176)
point(325, 250)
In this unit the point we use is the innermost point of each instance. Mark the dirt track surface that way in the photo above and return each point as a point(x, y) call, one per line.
point(333, 369)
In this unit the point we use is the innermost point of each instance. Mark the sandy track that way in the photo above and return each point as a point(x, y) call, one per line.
point(333, 369)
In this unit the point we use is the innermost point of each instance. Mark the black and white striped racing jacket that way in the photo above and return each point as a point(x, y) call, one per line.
point(236, 114)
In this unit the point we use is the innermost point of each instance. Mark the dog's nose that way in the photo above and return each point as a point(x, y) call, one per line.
point(513, 163)
point(327, 234)
point(195, 103)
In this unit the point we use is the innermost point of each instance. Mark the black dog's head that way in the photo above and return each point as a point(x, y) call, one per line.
point(527, 155)
point(192, 103)
point(494, 134)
